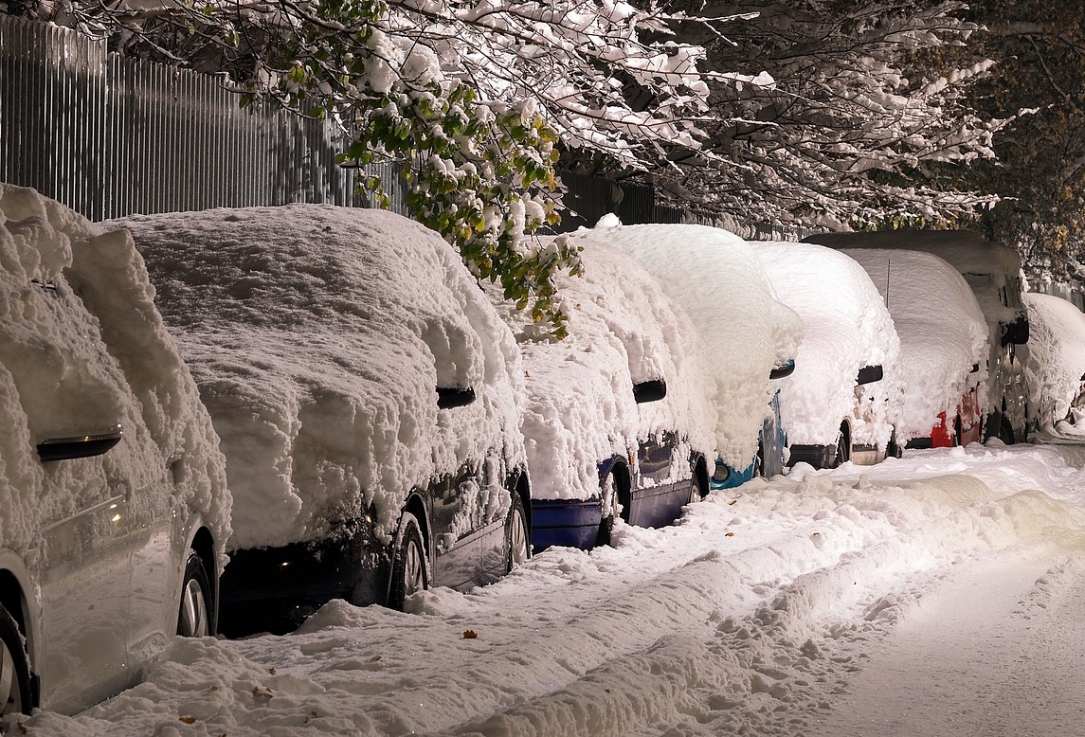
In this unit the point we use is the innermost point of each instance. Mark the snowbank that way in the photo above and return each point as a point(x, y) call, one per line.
point(754, 616)
point(1056, 364)
point(718, 279)
point(943, 334)
point(82, 348)
point(580, 411)
point(318, 336)
point(846, 326)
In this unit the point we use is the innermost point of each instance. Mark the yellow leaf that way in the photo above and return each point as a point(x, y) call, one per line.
point(188, 720)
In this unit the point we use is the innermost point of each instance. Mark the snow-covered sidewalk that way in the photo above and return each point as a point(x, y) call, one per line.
point(939, 594)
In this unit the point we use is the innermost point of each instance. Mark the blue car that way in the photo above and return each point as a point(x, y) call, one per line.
point(771, 443)
point(616, 422)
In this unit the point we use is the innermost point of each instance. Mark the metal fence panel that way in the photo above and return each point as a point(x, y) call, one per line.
point(111, 136)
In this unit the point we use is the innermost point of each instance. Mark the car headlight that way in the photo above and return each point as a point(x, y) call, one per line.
point(721, 472)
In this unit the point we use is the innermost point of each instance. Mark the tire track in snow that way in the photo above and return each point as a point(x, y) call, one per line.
point(994, 650)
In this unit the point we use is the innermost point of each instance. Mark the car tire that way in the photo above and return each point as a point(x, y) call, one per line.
point(194, 610)
point(517, 541)
point(14, 668)
point(609, 499)
point(696, 493)
point(1005, 432)
point(843, 450)
point(410, 573)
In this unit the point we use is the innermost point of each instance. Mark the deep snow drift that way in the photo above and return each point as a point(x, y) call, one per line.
point(888, 600)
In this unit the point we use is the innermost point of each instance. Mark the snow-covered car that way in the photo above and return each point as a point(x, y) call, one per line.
point(943, 341)
point(368, 400)
point(750, 336)
point(846, 393)
point(616, 421)
point(993, 271)
point(115, 506)
point(1056, 363)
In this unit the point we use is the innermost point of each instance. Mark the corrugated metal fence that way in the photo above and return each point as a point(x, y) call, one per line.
point(110, 136)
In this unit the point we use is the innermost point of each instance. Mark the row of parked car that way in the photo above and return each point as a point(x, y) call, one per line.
point(221, 420)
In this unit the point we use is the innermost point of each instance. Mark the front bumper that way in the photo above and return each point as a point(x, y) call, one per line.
point(567, 522)
point(275, 589)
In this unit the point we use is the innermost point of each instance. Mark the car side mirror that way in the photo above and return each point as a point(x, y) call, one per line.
point(449, 397)
point(782, 371)
point(1016, 332)
point(78, 446)
point(649, 391)
point(868, 375)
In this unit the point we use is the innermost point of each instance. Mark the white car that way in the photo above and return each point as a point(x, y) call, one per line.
point(1056, 366)
point(617, 419)
point(114, 491)
point(750, 336)
point(993, 271)
point(846, 393)
point(367, 395)
point(943, 339)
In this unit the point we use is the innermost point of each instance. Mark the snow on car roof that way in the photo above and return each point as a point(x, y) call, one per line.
point(622, 329)
point(987, 266)
point(846, 326)
point(718, 279)
point(942, 331)
point(318, 336)
point(82, 347)
point(1056, 354)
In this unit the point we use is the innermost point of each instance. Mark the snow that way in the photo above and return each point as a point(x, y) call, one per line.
point(623, 329)
point(718, 279)
point(938, 593)
point(987, 266)
point(83, 349)
point(942, 331)
point(1056, 361)
point(318, 336)
point(825, 604)
point(846, 326)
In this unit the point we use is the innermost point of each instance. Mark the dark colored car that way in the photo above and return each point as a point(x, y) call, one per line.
point(617, 421)
point(367, 396)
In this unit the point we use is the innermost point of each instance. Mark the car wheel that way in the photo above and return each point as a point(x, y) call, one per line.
point(409, 571)
point(843, 450)
point(516, 538)
point(1005, 432)
point(611, 510)
point(194, 612)
point(14, 668)
point(696, 493)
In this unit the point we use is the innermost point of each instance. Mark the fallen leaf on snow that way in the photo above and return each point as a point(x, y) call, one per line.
point(469, 635)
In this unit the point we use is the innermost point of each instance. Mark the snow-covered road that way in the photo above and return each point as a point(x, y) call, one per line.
point(940, 594)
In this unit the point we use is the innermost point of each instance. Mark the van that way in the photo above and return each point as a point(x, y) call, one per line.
point(994, 273)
